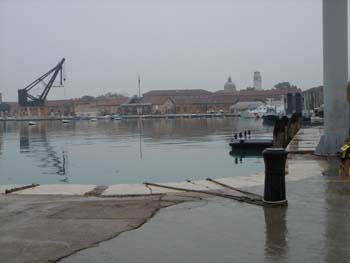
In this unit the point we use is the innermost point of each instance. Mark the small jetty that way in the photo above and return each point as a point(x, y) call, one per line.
point(256, 144)
point(248, 143)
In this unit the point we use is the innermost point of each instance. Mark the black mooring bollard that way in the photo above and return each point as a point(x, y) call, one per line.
point(240, 135)
point(275, 186)
point(248, 132)
point(235, 136)
point(245, 133)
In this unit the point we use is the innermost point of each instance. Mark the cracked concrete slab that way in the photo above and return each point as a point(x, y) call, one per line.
point(39, 228)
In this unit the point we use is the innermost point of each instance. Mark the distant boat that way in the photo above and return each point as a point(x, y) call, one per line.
point(65, 121)
point(219, 114)
point(270, 116)
point(249, 114)
point(93, 120)
point(104, 117)
point(254, 113)
point(31, 123)
point(117, 117)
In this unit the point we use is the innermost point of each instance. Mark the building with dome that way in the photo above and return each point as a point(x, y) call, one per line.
point(229, 85)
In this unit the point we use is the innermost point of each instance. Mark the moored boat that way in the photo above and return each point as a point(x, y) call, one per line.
point(270, 116)
point(117, 117)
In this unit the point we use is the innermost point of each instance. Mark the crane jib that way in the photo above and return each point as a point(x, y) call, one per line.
point(26, 99)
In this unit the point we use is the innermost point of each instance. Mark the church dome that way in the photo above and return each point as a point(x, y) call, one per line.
point(229, 85)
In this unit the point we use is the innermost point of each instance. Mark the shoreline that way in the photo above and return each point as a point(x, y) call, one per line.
point(152, 116)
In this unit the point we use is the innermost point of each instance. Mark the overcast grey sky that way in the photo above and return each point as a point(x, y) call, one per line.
point(179, 44)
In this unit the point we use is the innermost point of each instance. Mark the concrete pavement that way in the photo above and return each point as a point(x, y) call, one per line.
point(47, 228)
point(314, 227)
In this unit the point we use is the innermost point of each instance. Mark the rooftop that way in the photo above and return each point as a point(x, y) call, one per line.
point(267, 92)
point(204, 100)
point(155, 100)
point(177, 92)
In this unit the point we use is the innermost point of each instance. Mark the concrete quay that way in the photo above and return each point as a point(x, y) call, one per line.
point(67, 223)
point(306, 140)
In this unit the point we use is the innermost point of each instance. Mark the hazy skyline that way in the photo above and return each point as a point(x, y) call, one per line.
point(189, 44)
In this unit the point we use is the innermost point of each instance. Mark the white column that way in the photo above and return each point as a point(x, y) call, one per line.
point(335, 75)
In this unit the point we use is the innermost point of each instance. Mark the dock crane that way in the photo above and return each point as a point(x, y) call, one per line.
point(27, 100)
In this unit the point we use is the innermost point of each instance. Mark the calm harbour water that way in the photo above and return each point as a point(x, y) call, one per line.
point(127, 151)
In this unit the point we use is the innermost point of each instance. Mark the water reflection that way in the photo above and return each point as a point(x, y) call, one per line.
point(240, 154)
point(156, 130)
point(24, 138)
point(1, 138)
point(275, 233)
point(34, 143)
point(141, 136)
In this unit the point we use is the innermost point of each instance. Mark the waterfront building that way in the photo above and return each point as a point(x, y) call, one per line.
point(71, 107)
point(257, 80)
point(50, 109)
point(194, 101)
point(160, 104)
point(203, 104)
point(183, 101)
point(135, 106)
point(97, 107)
point(229, 85)
point(313, 98)
point(85, 108)
point(60, 107)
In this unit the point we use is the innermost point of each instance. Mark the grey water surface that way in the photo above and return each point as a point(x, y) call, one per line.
point(127, 151)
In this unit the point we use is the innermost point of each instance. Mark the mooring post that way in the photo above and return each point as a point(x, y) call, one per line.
point(275, 186)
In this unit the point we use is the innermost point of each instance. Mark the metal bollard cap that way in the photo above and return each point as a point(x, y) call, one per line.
point(275, 151)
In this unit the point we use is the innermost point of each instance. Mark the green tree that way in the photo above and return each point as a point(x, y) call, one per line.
point(284, 85)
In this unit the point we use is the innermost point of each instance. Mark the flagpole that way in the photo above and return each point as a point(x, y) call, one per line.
point(139, 87)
